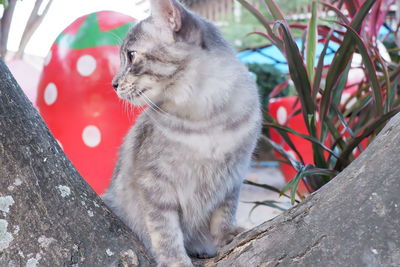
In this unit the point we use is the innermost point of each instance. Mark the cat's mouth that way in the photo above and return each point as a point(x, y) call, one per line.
point(137, 92)
point(129, 93)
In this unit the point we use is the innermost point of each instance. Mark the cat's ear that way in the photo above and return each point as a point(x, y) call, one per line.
point(168, 12)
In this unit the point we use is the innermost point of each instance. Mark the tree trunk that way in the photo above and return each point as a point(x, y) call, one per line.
point(50, 216)
point(5, 23)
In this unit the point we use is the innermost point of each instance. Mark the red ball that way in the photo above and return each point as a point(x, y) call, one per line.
point(76, 99)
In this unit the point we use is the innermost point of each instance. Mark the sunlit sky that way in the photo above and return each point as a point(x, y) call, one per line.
point(61, 14)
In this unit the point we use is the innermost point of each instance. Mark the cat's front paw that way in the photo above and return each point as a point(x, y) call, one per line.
point(203, 255)
point(181, 263)
point(228, 235)
point(175, 264)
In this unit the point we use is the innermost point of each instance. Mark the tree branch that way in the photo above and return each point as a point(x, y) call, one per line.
point(33, 23)
point(5, 23)
point(352, 221)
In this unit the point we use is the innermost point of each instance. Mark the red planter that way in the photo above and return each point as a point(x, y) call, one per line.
point(282, 110)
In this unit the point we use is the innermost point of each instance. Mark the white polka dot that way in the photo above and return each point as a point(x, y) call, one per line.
point(91, 136)
point(48, 58)
point(86, 65)
point(50, 94)
point(281, 115)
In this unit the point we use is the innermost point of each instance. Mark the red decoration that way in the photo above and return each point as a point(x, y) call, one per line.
point(76, 98)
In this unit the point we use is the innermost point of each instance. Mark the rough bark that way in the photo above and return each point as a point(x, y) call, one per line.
point(354, 220)
point(50, 215)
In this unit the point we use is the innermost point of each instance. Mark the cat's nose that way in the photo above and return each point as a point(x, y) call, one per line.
point(115, 85)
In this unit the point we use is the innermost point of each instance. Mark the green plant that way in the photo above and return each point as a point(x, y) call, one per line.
point(4, 3)
point(267, 78)
point(390, 44)
point(335, 130)
point(241, 22)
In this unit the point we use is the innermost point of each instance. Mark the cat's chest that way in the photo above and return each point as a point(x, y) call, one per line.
point(207, 181)
point(210, 142)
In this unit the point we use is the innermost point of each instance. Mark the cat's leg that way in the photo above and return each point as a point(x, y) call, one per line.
point(163, 224)
point(167, 238)
point(223, 222)
point(200, 244)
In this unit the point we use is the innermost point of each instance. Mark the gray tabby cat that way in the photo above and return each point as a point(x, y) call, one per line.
point(181, 166)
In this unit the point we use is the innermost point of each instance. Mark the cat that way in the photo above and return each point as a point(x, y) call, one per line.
point(180, 168)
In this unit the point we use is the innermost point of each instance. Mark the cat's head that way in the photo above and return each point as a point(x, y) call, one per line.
point(157, 51)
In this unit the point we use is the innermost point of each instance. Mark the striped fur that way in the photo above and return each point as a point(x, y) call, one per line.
point(180, 168)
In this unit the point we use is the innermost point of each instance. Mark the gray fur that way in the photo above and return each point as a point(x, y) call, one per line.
point(180, 168)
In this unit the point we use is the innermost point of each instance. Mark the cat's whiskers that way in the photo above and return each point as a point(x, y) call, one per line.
point(126, 109)
point(122, 103)
point(156, 106)
point(149, 104)
point(132, 107)
point(129, 109)
point(156, 121)
point(128, 103)
point(119, 39)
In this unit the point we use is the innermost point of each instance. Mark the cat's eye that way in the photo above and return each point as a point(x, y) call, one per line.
point(131, 56)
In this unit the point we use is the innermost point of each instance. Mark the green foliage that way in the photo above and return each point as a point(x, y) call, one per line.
point(312, 41)
point(336, 126)
point(390, 44)
point(267, 77)
point(4, 3)
point(235, 28)
point(291, 6)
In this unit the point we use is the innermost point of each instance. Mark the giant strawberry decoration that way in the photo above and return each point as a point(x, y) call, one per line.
point(76, 98)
